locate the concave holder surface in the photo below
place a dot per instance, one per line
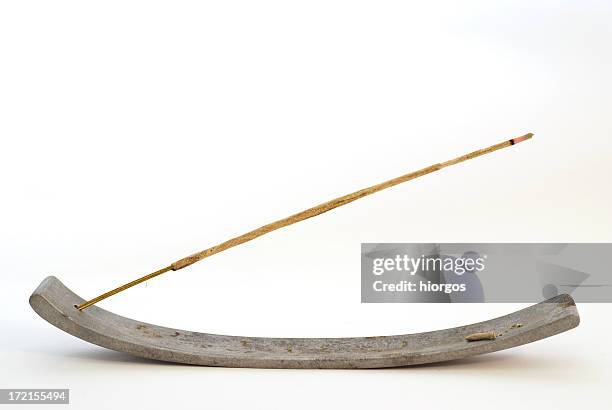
(55, 303)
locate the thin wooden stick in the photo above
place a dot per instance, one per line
(308, 213)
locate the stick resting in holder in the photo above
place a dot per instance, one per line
(55, 303)
(301, 216)
(81, 318)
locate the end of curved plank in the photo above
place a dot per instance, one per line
(55, 303)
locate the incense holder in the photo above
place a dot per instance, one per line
(55, 303)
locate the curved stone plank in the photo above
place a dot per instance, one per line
(55, 303)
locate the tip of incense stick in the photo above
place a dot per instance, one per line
(521, 139)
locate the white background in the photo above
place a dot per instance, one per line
(135, 133)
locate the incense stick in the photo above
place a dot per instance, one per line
(300, 216)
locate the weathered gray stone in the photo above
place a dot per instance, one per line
(55, 303)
